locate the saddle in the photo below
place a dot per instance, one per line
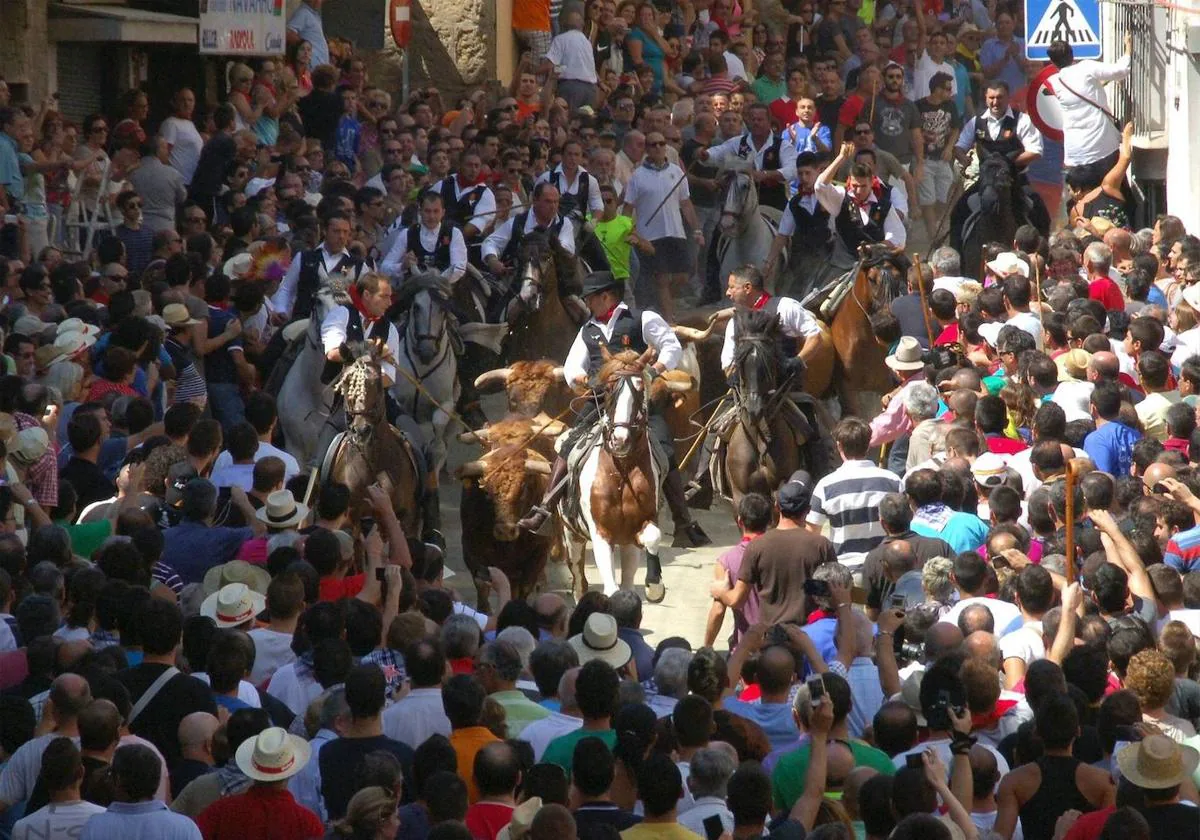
(724, 424)
(415, 459)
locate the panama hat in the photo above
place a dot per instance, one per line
(282, 510)
(74, 344)
(77, 325)
(599, 640)
(46, 355)
(1073, 365)
(1009, 263)
(233, 605)
(910, 695)
(273, 755)
(177, 315)
(908, 355)
(236, 571)
(238, 266)
(1157, 762)
(989, 469)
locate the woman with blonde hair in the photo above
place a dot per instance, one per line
(246, 113)
(371, 815)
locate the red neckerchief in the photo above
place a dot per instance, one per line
(607, 316)
(356, 298)
(987, 720)
(817, 615)
(761, 302)
(458, 180)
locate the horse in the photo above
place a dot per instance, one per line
(747, 229)
(308, 400)
(857, 363)
(540, 323)
(371, 450)
(429, 347)
(992, 212)
(618, 485)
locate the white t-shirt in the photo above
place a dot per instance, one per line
(186, 144)
(986, 822)
(1025, 643)
(55, 821)
(737, 69)
(1030, 323)
(924, 70)
(646, 190)
(571, 54)
(234, 475)
(1003, 613)
(942, 746)
(272, 650)
(291, 466)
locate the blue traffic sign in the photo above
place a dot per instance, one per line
(1075, 21)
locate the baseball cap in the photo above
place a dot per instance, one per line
(796, 493)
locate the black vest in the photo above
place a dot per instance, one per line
(309, 281)
(572, 205)
(812, 229)
(460, 210)
(772, 195)
(439, 257)
(788, 346)
(513, 248)
(853, 231)
(1007, 142)
(626, 335)
(354, 333)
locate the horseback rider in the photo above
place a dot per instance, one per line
(806, 225)
(433, 244)
(579, 197)
(860, 217)
(615, 326)
(503, 245)
(470, 203)
(1000, 130)
(297, 293)
(774, 161)
(345, 332)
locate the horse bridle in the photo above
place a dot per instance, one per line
(441, 340)
(864, 265)
(637, 420)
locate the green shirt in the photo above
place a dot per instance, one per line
(519, 710)
(614, 236)
(768, 91)
(787, 780)
(88, 536)
(561, 750)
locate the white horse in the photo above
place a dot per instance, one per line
(429, 343)
(304, 400)
(747, 228)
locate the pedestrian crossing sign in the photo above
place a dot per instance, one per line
(1075, 21)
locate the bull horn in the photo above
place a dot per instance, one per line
(558, 373)
(692, 334)
(471, 469)
(492, 377)
(721, 315)
(677, 385)
(537, 467)
(480, 436)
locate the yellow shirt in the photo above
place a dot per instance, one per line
(658, 831)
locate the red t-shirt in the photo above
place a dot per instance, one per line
(851, 108)
(335, 589)
(1107, 292)
(783, 112)
(949, 335)
(259, 812)
(485, 819)
(1002, 445)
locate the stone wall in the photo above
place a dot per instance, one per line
(24, 56)
(453, 48)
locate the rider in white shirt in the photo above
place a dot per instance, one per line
(432, 244)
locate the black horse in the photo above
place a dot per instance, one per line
(992, 210)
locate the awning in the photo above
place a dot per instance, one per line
(121, 24)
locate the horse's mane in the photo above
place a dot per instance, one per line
(627, 361)
(430, 281)
(754, 323)
(536, 243)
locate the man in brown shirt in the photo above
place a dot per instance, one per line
(776, 564)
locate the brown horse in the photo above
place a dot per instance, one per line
(858, 367)
(540, 326)
(372, 450)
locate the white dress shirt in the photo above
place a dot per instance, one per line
(787, 222)
(703, 808)
(1088, 134)
(393, 263)
(831, 197)
(497, 240)
(485, 208)
(416, 716)
(572, 56)
(731, 148)
(291, 466)
(735, 66)
(655, 330)
(649, 188)
(568, 187)
(1031, 138)
(305, 786)
(285, 296)
(333, 335)
(794, 321)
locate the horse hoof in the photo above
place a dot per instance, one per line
(655, 592)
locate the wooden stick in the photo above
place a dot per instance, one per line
(702, 433)
(924, 299)
(1070, 481)
(1037, 289)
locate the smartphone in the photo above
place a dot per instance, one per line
(713, 827)
(816, 690)
(914, 761)
(381, 574)
(367, 525)
(896, 601)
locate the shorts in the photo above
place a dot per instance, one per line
(670, 256)
(935, 186)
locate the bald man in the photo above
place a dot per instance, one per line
(1154, 474)
(976, 618)
(195, 743)
(983, 645)
(1103, 367)
(68, 696)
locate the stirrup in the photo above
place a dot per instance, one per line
(537, 522)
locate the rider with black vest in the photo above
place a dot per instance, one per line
(579, 198)
(774, 161)
(1000, 130)
(469, 203)
(503, 245)
(312, 270)
(433, 244)
(799, 333)
(806, 224)
(615, 326)
(859, 216)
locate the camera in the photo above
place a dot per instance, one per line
(939, 715)
(816, 588)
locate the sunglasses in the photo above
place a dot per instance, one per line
(861, 131)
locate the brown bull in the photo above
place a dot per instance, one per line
(497, 488)
(530, 387)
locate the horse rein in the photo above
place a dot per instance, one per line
(637, 421)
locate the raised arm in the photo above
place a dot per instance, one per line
(844, 154)
(1116, 176)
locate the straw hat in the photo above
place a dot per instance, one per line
(282, 510)
(1009, 263)
(233, 605)
(77, 325)
(237, 267)
(31, 445)
(273, 755)
(908, 355)
(522, 819)
(1157, 762)
(236, 571)
(1073, 365)
(599, 640)
(47, 355)
(176, 315)
(74, 344)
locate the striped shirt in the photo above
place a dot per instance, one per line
(848, 500)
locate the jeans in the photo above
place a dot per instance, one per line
(225, 398)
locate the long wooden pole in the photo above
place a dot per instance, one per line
(1070, 481)
(1037, 289)
(924, 299)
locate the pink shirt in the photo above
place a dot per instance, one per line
(894, 421)
(748, 613)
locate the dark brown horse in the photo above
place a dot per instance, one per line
(540, 326)
(372, 450)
